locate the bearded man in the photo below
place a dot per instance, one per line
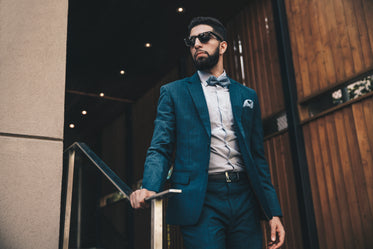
(213, 125)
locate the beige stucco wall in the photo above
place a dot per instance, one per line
(32, 85)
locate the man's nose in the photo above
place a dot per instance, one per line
(197, 43)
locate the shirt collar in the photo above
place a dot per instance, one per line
(203, 76)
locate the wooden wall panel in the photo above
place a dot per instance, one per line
(339, 151)
(332, 41)
(252, 57)
(279, 159)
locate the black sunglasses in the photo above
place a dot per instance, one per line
(203, 38)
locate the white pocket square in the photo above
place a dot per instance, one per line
(248, 103)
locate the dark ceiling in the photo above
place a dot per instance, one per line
(105, 37)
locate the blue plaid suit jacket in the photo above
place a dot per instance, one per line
(182, 126)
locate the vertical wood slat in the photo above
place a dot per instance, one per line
(330, 45)
(347, 171)
(260, 55)
(314, 53)
(273, 60)
(292, 10)
(357, 178)
(325, 57)
(367, 6)
(359, 14)
(345, 64)
(341, 200)
(305, 32)
(362, 188)
(329, 179)
(315, 188)
(249, 59)
(353, 33)
(331, 41)
(340, 163)
(321, 184)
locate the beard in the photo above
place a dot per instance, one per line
(206, 63)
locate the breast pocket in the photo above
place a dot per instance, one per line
(247, 116)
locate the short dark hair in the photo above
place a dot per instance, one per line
(216, 25)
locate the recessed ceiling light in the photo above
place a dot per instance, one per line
(102, 94)
(71, 126)
(148, 45)
(180, 9)
(84, 112)
(122, 72)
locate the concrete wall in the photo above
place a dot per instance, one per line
(32, 85)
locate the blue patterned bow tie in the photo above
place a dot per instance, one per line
(222, 81)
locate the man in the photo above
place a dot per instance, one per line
(213, 124)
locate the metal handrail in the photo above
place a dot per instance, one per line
(156, 200)
(111, 176)
(100, 165)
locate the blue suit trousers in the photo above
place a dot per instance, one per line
(229, 219)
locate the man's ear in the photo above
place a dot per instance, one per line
(223, 47)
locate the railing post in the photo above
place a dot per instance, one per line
(156, 224)
(69, 194)
(156, 200)
(79, 208)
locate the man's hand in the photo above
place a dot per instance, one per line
(137, 198)
(277, 233)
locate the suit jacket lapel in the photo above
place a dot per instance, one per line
(236, 101)
(196, 91)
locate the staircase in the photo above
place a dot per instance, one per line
(84, 223)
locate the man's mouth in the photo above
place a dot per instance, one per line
(198, 53)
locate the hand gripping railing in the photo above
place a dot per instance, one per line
(156, 200)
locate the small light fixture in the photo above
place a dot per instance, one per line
(84, 112)
(180, 9)
(72, 126)
(122, 72)
(102, 94)
(148, 45)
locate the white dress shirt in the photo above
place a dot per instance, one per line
(225, 154)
